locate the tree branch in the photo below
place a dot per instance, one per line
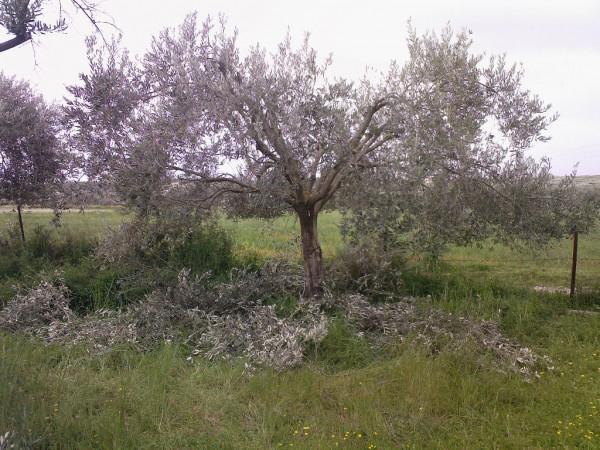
(379, 104)
(14, 42)
(205, 179)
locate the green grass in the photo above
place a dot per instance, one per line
(401, 396)
(92, 221)
(64, 398)
(281, 237)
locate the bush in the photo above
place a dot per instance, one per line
(165, 246)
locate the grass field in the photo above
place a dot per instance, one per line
(348, 394)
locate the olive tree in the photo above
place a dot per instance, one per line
(30, 160)
(278, 127)
(462, 174)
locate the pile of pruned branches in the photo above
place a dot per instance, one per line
(231, 319)
(437, 329)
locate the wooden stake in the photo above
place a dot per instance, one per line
(574, 266)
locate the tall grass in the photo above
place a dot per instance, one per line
(65, 398)
(349, 394)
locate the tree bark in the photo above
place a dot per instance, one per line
(21, 223)
(314, 279)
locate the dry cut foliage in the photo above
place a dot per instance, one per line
(231, 320)
(438, 329)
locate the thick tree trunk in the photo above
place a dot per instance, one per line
(314, 279)
(21, 223)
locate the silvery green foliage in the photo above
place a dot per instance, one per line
(25, 19)
(369, 269)
(107, 118)
(251, 330)
(460, 174)
(293, 131)
(21, 18)
(39, 306)
(437, 329)
(225, 319)
(262, 337)
(31, 160)
(422, 148)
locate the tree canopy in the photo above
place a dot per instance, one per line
(277, 127)
(30, 162)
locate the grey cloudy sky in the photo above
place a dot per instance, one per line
(558, 43)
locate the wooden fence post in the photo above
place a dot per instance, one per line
(574, 266)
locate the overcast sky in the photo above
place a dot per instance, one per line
(558, 43)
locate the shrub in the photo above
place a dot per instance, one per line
(165, 246)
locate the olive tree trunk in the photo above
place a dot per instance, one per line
(314, 278)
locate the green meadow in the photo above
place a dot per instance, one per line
(349, 393)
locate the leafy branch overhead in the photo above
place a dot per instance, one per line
(24, 19)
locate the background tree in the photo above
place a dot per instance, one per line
(24, 19)
(30, 161)
(276, 126)
(462, 175)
